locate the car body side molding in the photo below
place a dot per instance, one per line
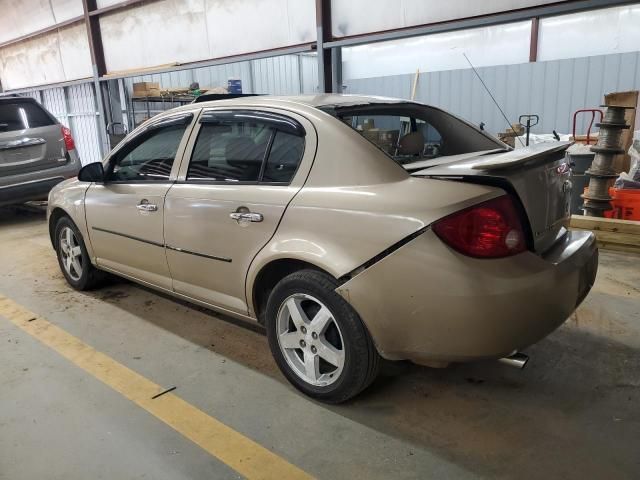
(162, 245)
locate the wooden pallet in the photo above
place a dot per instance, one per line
(612, 234)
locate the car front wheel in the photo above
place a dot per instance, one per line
(318, 339)
(73, 258)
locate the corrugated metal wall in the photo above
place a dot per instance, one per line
(553, 90)
(309, 72)
(75, 107)
(281, 75)
(277, 75)
(84, 124)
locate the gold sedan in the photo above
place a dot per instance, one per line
(352, 228)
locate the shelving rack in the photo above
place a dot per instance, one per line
(153, 105)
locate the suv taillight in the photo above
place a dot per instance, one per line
(67, 138)
(488, 230)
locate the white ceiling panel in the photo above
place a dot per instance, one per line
(51, 58)
(157, 33)
(597, 32)
(21, 17)
(254, 25)
(495, 45)
(107, 3)
(355, 17)
(74, 52)
(66, 9)
(34, 62)
(182, 31)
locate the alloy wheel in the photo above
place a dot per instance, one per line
(71, 253)
(310, 340)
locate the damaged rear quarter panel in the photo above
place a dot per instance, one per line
(425, 302)
(338, 229)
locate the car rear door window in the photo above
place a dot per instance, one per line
(22, 115)
(148, 158)
(246, 146)
(230, 152)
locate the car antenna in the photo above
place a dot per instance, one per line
(492, 97)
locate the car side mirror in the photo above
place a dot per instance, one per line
(94, 172)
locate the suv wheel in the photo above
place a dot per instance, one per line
(73, 258)
(318, 339)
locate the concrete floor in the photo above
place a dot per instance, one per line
(574, 412)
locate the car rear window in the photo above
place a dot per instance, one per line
(22, 116)
(412, 132)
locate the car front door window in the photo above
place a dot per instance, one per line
(148, 158)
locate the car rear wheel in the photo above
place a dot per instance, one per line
(73, 257)
(318, 339)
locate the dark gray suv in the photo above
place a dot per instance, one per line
(36, 151)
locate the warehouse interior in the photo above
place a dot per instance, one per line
(130, 381)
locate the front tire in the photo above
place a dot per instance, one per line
(318, 340)
(73, 258)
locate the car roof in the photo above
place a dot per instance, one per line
(16, 98)
(317, 101)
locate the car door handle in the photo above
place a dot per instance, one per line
(246, 216)
(145, 206)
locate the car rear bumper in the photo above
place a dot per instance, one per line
(36, 185)
(428, 303)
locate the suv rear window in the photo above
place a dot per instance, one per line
(22, 115)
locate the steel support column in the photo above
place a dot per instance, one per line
(323, 25)
(95, 38)
(98, 66)
(336, 67)
(533, 45)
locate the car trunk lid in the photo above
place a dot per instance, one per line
(539, 176)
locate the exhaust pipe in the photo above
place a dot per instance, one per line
(517, 360)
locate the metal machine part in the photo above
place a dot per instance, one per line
(597, 199)
(532, 120)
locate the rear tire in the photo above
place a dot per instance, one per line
(317, 339)
(73, 258)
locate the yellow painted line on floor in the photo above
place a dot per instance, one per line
(242, 454)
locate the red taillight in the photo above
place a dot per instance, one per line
(68, 139)
(488, 230)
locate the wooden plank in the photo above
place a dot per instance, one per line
(605, 224)
(140, 71)
(618, 247)
(415, 84)
(611, 233)
(618, 239)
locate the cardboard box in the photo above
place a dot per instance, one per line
(385, 139)
(146, 89)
